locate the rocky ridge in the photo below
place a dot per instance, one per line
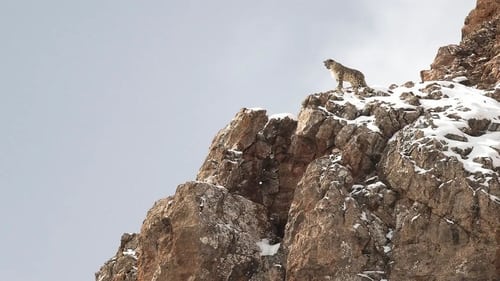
(397, 183)
(476, 60)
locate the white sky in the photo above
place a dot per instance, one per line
(106, 106)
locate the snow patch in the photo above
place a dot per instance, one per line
(387, 249)
(390, 234)
(492, 197)
(415, 217)
(365, 276)
(363, 216)
(460, 79)
(130, 253)
(452, 112)
(235, 152)
(255, 109)
(267, 249)
(283, 116)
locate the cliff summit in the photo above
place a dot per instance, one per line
(387, 183)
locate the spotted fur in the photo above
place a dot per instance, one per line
(342, 73)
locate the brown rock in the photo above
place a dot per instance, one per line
(359, 187)
(410, 98)
(444, 225)
(329, 235)
(123, 266)
(485, 10)
(342, 201)
(205, 233)
(251, 157)
(362, 150)
(476, 60)
(495, 94)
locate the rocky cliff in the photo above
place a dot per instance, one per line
(476, 60)
(397, 183)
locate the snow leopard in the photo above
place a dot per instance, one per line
(342, 73)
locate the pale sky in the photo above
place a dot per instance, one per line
(106, 106)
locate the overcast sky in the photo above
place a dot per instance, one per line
(106, 106)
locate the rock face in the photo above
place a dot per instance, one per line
(485, 11)
(394, 184)
(204, 232)
(123, 266)
(476, 60)
(251, 157)
(421, 206)
(398, 183)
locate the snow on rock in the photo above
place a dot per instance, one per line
(415, 217)
(130, 252)
(283, 116)
(358, 179)
(255, 109)
(466, 121)
(446, 163)
(463, 119)
(418, 142)
(124, 263)
(267, 249)
(338, 184)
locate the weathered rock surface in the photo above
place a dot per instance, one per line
(424, 206)
(330, 234)
(476, 60)
(398, 183)
(447, 220)
(123, 266)
(205, 232)
(485, 11)
(251, 157)
(395, 184)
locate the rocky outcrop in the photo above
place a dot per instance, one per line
(204, 232)
(251, 157)
(398, 183)
(423, 210)
(331, 234)
(123, 266)
(476, 60)
(447, 218)
(485, 11)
